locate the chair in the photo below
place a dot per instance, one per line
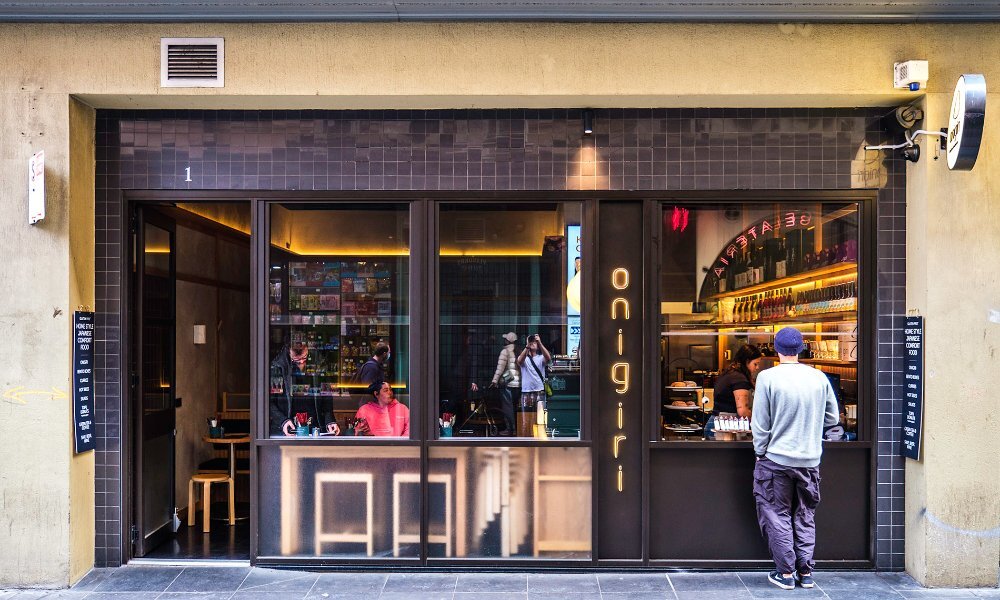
(322, 536)
(414, 538)
(206, 480)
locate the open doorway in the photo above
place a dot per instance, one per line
(190, 365)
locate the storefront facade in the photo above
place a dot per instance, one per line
(658, 196)
(594, 488)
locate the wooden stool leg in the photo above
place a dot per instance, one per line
(232, 502)
(191, 504)
(206, 513)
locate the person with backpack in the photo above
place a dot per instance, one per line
(507, 378)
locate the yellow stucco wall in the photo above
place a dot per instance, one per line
(81, 294)
(46, 523)
(953, 241)
(498, 65)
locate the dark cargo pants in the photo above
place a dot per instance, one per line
(786, 508)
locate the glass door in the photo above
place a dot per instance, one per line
(152, 378)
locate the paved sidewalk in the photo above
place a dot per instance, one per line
(242, 583)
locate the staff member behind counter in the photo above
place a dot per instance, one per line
(732, 387)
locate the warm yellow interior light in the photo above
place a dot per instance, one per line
(364, 386)
(489, 252)
(348, 251)
(376, 252)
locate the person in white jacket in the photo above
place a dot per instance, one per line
(508, 378)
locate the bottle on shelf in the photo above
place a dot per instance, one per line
(741, 270)
(757, 263)
(768, 260)
(781, 260)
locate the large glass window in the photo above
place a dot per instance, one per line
(504, 502)
(350, 501)
(732, 276)
(509, 290)
(338, 281)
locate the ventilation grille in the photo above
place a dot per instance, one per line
(191, 62)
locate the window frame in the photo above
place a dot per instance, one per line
(866, 311)
(588, 341)
(262, 346)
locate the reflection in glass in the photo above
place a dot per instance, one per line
(157, 320)
(156, 250)
(509, 273)
(353, 502)
(510, 502)
(733, 275)
(338, 318)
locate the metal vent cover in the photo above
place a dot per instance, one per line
(470, 229)
(192, 62)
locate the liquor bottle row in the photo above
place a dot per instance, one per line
(767, 260)
(775, 305)
(836, 298)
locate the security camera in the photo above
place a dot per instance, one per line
(907, 116)
(902, 119)
(911, 153)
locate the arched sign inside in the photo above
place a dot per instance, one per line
(771, 227)
(965, 125)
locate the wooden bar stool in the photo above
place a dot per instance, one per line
(206, 480)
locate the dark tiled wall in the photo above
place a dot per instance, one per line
(676, 149)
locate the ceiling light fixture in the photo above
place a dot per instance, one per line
(588, 122)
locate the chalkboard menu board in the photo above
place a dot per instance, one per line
(83, 381)
(913, 397)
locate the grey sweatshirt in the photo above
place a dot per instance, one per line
(791, 406)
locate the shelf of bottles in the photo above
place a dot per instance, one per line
(825, 302)
(770, 285)
(335, 312)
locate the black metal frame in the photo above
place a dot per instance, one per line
(867, 343)
(423, 366)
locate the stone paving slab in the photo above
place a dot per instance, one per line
(250, 583)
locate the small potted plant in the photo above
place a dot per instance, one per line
(302, 423)
(447, 422)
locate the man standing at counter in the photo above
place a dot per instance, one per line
(793, 402)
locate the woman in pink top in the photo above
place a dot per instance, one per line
(383, 415)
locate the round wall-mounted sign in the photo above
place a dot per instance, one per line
(965, 127)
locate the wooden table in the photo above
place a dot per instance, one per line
(230, 439)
